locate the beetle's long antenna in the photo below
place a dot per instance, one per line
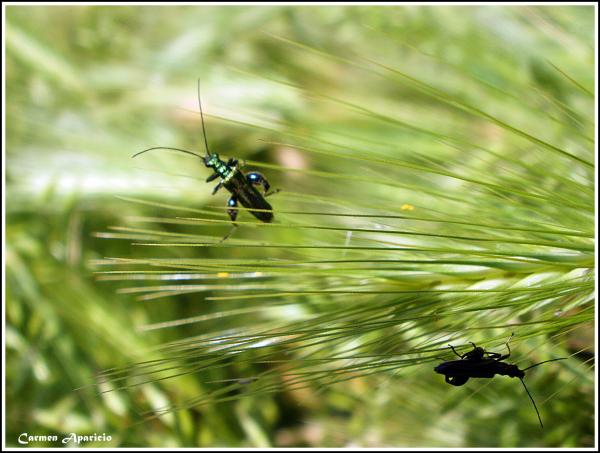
(545, 361)
(184, 150)
(168, 147)
(534, 406)
(202, 119)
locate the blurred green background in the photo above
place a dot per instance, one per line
(470, 127)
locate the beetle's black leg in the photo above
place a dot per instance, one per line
(232, 162)
(217, 187)
(506, 356)
(232, 203)
(454, 350)
(273, 192)
(212, 177)
(229, 234)
(499, 357)
(256, 179)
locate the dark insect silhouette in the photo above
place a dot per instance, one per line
(480, 363)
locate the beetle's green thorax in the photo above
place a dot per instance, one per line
(213, 161)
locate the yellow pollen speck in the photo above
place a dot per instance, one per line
(223, 274)
(407, 207)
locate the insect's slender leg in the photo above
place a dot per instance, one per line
(256, 179)
(229, 234)
(212, 177)
(217, 187)
(232, 162)
(506, 356)
(273, 192)
(454, 350)
(232, 203)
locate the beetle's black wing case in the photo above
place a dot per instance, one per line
(486, 368)
(248, 196)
